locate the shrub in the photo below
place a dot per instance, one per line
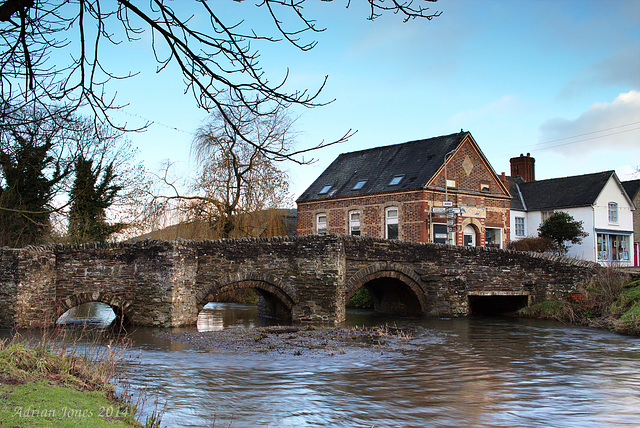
(361, 299)
(537, 244)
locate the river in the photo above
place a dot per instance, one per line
(496, 372)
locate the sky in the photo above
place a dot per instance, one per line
(559, 79)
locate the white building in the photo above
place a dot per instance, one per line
(597, 200)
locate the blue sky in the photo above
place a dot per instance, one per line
(559, 79)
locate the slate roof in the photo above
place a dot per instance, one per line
(575, 191)
(631, 187)
(516, 198)
(417, 161)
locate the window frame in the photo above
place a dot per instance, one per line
(612, 209)
(325, 189)
(355, 225)
(390, 221)
(326, 222)
(396, 180)
(519, 226)
(359, 184)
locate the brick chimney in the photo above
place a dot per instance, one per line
(523, 166)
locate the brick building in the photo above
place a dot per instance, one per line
(398, 192)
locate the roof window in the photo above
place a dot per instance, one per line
(325, 189)
(359, 185)
(396, 180)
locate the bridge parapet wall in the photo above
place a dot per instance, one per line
(307, 272)
(449, 274)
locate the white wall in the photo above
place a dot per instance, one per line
(592, 217)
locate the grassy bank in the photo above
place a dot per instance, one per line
(44, 384)
(609, 300)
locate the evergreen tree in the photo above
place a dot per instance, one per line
(563, 229)
(87, 216)
(25, 190)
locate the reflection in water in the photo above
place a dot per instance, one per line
(93, 314)
(454, 372)
(218, 316)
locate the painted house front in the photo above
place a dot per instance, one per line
(597, 200)
(399, 192)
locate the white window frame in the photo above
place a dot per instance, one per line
(547, 214)
(354, 223)
(388, 221)
(613, 212)
(321, 230)
(519, 226)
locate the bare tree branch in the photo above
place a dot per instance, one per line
(55, 51)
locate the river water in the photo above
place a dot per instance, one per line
(465, 372)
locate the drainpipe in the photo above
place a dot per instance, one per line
(446, 193)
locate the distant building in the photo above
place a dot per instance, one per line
(633, 191)
(598, 200)
(398, 192)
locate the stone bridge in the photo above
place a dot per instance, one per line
(306, 279)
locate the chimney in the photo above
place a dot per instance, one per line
(523, 166)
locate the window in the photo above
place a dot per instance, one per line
(325, 189)
(354, 223)
(396, 180)
(321, 224)
(613, 212)
(493, 237)
(612, 248)
(391, 222)
(359, 185)
(440, 234)
(519, 226)
(484, 187)
(546, 215)
(451, 184)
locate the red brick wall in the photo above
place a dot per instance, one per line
(467, 166)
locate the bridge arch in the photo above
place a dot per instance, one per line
(405, 281)
(277, 298)
(122, 308)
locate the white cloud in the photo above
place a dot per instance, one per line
(612, 126)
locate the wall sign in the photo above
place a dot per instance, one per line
(475, 212)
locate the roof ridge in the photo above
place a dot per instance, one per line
(608, 172)
(371, 149)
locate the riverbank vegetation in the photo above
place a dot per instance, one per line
(609, 300)
(49, 382)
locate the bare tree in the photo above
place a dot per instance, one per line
(54, 50)
(238, 188)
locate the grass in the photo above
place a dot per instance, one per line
(608, 300)
(56, 382)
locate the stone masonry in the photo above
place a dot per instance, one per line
(306, 279)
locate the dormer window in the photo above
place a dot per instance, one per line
(325, 189)
(396, 180)
(359, 185)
